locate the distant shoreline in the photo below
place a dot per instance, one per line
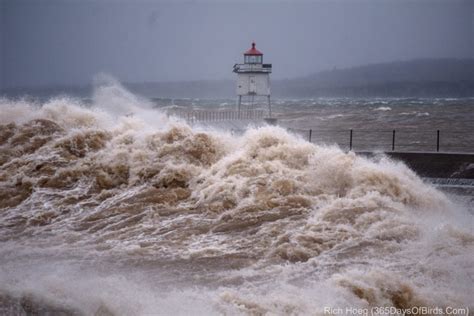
(444, 78)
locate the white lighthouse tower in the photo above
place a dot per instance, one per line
(253, 77)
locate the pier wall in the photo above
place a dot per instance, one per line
(434, 165)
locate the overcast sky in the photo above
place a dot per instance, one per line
(47, 42)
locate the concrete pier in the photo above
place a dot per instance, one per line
(434, 165)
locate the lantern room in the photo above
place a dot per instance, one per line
(253, 63)
(253, 56)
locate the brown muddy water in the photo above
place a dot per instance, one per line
(104, 213)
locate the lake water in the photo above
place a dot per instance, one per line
(107, 213)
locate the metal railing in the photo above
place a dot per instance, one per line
(413, 140)
(215, 116)
(401, 140)
(261, 68)
(392, 140)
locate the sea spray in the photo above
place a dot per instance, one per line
(259, 223)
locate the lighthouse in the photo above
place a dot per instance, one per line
(253, 77)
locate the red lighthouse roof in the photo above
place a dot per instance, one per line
(253, 51)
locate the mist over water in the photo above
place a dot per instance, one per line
(114, 208)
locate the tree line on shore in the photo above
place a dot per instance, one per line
(415, 78)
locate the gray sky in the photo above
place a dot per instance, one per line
(67, 42)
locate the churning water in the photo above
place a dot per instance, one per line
(105, 213)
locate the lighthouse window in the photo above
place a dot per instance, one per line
(252, 59)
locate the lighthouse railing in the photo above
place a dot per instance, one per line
(260, 68)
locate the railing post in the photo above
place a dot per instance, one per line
(393, 140)
(310, 132)
(437, 141)
(350, 140)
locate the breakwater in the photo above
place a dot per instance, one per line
(435, 165)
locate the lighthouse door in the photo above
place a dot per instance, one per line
(252, 85)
